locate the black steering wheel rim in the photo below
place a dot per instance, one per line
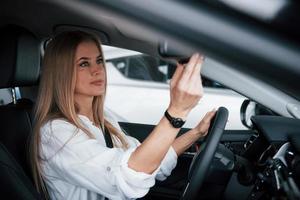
(202, 160)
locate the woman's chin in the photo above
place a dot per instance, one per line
(98, 93)
(91, 93)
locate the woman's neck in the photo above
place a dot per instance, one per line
(85, 106)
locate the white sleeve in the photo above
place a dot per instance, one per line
(85, 162)
(168, 163)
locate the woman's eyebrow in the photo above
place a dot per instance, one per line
(83, 58)
(88, 58)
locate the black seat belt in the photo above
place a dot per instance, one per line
(108, 142)
(107, 138)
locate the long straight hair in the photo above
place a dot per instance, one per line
(56, 96)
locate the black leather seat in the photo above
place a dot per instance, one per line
(19, 66)
(14, 182)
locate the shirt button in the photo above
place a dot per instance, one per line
(108, 169)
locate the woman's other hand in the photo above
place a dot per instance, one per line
(202, 128)
(185, 141)
(186, 87)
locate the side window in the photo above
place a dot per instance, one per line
(145, 99)
(142, 67)
(121, 64)
(147, 68)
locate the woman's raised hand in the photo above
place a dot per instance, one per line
(186, 87)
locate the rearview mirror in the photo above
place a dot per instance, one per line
(171, 70)
(168, 50)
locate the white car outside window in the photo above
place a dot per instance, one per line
(138, 91)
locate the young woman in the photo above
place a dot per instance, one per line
(69, 153)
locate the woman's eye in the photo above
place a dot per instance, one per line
(84, 64)
(100, 61)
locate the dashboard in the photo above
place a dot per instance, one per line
(274, 154)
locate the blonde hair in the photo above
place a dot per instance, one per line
(56, 96)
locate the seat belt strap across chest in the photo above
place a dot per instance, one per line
(108, 139)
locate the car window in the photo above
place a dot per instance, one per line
(138, 90)
(147, 68)
(142, 67)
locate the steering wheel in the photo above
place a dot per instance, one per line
(202, 160)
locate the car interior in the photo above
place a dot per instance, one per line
(255, 55)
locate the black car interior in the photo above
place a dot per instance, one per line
(260, 163)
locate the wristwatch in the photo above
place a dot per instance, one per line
(175, 122)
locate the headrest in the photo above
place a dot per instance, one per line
(19, 57)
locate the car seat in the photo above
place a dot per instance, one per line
(19, 66)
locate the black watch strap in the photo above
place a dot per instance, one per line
(175, 121)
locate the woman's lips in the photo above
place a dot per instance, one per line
(98, 83)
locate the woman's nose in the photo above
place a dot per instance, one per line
(97, 69)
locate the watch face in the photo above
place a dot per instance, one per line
(177, 122)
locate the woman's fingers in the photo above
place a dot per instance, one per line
(190, 71)
(208, 117)
(189, 68)
(186, 86)
(177, 74)
(195, 82)
(197, 68)
(205, 122)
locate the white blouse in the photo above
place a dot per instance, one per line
(78, 167)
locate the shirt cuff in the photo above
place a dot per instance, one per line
(167, 165)
(136, 184)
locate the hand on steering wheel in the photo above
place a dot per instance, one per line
(204, 156)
